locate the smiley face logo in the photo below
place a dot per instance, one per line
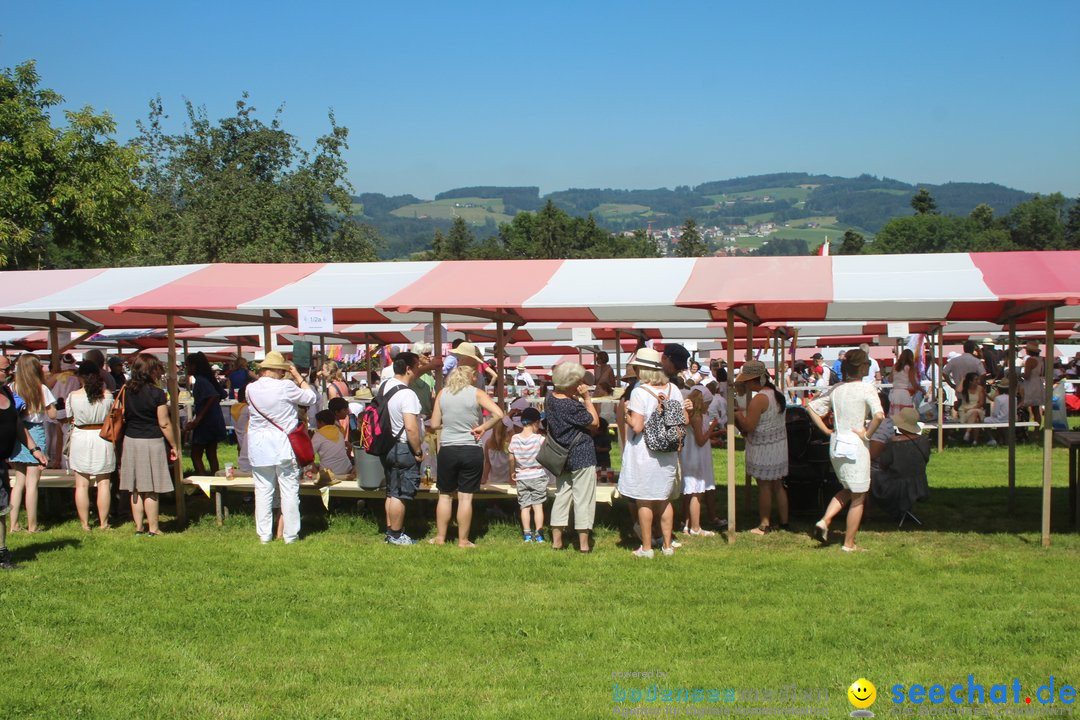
(862, 695)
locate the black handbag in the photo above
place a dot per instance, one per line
(552, 456)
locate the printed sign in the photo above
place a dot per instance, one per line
(315, 320)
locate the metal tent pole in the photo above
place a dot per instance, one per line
(174, 417)
(730, 350)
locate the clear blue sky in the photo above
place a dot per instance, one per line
(599, 94)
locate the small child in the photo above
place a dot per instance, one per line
(602, 444)
(331, 448)
(528, 475)
(496, 455)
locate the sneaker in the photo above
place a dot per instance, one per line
(6, 563)
(668, 551)
(686, 530)
(401, 539)
(539, 537)
(991, 443)
(528, 537)
(643, 553)
(675, 543)
(821, 532)
(702, 533)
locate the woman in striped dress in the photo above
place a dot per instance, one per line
(763, 424)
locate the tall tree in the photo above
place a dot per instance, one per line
(923, 203)
(241, 190)
(458, 241)
(852, 244)
(67, 194)
(1072, 226)
(1039, 223)
(690, 243)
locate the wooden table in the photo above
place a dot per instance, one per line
(1071, 441)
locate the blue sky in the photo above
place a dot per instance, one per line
(598, 94)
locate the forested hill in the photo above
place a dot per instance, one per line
(866, 203)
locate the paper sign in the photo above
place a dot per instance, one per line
(581, 336)
(898, 330)
(316, 320)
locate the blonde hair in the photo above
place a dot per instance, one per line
(332, 371)
(649, 376)
(698, 400)
(567, 375)
(28, 382)
(461, 377)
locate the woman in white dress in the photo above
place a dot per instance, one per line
(764, 425)
(850, 402)
(648, 477)
(1032, 389)
(904, 384)
(91, 457)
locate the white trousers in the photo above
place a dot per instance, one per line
(274, 485)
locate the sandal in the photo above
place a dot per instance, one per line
(761, 530)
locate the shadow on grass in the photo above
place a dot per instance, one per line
(28, 553)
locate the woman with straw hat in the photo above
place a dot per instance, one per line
(273, 401)
(850, 402)
(764, 427)
(648, 477)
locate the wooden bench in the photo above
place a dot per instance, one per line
(215, 486)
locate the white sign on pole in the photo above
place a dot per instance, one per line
(315, 320)
(898, 330)
(581, 336)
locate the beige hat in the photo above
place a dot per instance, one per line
(274, 361)
(647, 358)
(1032, 346)
(908, 421)
(752, 369)
(467, 350)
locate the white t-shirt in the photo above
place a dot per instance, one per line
(871, 374)
(277, 400)
(646, 475)
(958, 368)
(333, 455)
(404, 402)
(48, 399)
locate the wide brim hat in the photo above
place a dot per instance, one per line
(857, 358)
(1032, 345)
(468, 350)
(908, 421)
(752, 369)
(647, 358)
(274, 361)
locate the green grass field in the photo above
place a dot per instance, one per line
(482, 210)
(207, 623)
(608, 211)
(797, 194)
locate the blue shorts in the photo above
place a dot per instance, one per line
(402, 472)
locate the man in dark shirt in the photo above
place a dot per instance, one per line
(116, 370)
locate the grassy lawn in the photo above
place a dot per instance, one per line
(613, 210)
(207, 623)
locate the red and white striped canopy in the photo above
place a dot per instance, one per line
(958, 287)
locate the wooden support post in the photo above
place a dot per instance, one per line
(777, 354)
(54, 345)
(748, 482)
(268, 340)
(322, 361)
(618, 357)
(1048, 425)
(174, 418)
(1011, 437)
(437, 342)
(940, 361)
(500, 365)
(730, 350)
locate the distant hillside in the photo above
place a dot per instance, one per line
(801, 205)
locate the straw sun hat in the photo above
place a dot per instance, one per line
(274, 361)
(467, 350)
(647, 358)
(908, 421)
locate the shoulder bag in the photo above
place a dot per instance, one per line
(113, 427)
(298, 438)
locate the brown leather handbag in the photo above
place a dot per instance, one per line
(113, 427)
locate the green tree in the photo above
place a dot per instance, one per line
(690, 243)
(923, 203)
(240, 190)
(67, 194)
(852, 243)
(983, 216)
(1072, 226)
(458, 241)
(1038, 224)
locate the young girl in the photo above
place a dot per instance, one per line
(496, 459)
(697, 465)
(29, 461)
(971, 404)
(528, 475)
(763, 426)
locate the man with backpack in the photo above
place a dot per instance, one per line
(400, 448)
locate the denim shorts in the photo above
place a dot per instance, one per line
(402, 472)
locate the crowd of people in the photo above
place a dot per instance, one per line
(669, 416)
